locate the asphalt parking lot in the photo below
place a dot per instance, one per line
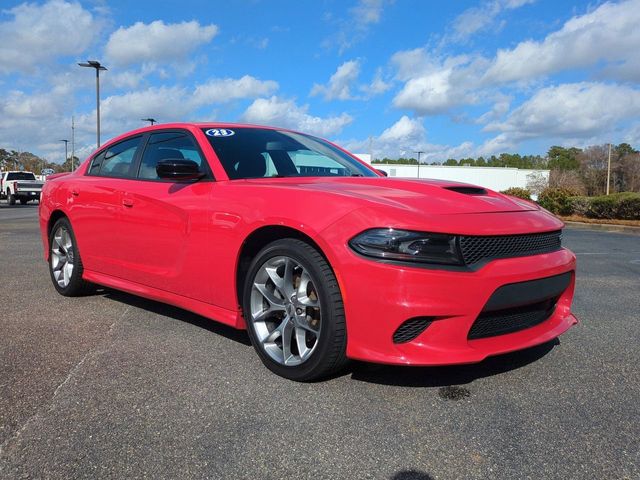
(113, 386)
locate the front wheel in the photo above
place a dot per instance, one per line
(294, 312)
(65, 264)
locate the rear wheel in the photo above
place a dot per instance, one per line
(23, 201)
(65, 264)
(11, 199)
(294, 312)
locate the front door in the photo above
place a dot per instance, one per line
(164, 226)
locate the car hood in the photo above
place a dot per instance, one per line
(436, 197)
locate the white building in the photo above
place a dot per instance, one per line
(493, 178)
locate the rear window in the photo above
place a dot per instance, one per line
(20, 176)
(259, 153)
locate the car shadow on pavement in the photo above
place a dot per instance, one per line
(176, 313)
(392, 375)
(445, 376)
(411, 475)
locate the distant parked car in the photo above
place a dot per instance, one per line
(21, 186)
(316, 254)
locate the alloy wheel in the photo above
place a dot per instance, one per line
(62, 260)
(285, 310)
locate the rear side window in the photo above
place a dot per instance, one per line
(167, 146)
(117, 160)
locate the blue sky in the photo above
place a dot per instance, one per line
(452, 79)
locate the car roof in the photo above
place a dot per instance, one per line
(164, 126)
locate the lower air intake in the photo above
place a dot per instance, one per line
(510, 320)
(411, 328)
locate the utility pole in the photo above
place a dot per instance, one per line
(609, 169)
(95, 64)
(73, 141)
(150, 120)
(419, 153)
(66, 151)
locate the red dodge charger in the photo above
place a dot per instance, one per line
(320, 257)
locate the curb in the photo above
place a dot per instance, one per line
(609, 227)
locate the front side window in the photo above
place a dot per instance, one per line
(167, 146)
(259, 153)
(117, 160)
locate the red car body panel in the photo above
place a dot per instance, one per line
(180, 243)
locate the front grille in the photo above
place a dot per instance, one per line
(481, 248)
(501, 322)
(411, 328)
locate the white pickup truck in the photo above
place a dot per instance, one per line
(22, 186)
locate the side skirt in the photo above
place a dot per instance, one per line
(232, 318)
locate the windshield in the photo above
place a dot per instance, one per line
(259, 153)
(20, 176)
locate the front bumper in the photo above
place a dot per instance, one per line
(379, 297)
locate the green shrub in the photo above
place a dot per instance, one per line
(523, 193)
(580, 205)
(623, 206)
(557, 200)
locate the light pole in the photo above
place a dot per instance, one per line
(419, 153)
(95, 64)
(609, 169)
(150, 120)
(66, 152)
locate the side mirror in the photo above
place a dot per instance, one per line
(178, 169)
(382, 172)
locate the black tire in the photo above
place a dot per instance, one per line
(76, 286)
(23, 201)
(11, 198)
(329, 354)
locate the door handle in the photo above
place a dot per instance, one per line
(127, 202)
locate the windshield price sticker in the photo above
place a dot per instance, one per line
(220, 132)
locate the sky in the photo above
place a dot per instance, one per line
(451, 79)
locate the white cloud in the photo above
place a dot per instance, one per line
(227, 89)
(40, 33)
(501, 106)
(605, 39)
(157, 42)
(481, 18)
(405, 131)
(609, 33)
(377, 86)
(285, 113)
(571, 110)
(367, 12)
(34, 122)
(340, 83)
(17, 104)
(405, 138)
(353, 29)
(432, 87)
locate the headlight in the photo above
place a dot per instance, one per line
(408, 246)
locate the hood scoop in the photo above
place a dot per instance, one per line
(466, 190)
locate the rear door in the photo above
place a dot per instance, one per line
(164, 227)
